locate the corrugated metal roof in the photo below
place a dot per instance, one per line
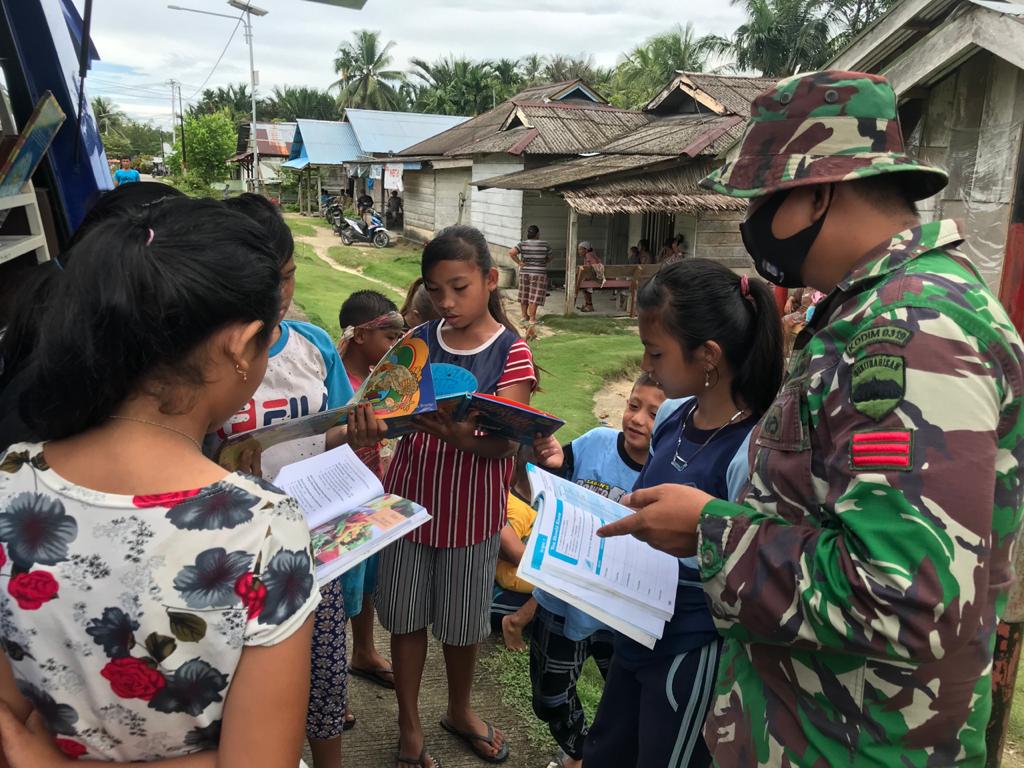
(558, 129)
(570, 171)
(723, 94)
(486, 125)
(273, 139)
(385, 133)
(325, 142)
(685, 134)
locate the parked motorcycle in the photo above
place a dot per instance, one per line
(354, 231)
(332, 209)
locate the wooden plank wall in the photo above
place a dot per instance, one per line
(498, 213)
(418, 202)
(449, 184)
(717, 236)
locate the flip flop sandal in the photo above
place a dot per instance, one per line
(375, 676)
(421, 761)
(471, 738)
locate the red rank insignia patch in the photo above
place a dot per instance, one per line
(889, 449)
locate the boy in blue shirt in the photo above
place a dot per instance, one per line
(126, 174)
(606, 461)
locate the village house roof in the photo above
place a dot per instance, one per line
(700, 91)
(323, 142)
(272, 140)
(555, 118)
(674, 190)
(386, 133)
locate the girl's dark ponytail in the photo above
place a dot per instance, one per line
(758, 376)
(698, 300)
(140, 296)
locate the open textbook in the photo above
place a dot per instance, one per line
(621, 581)
(350, 516)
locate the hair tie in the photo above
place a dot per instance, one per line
(745, 290)
(150, 238)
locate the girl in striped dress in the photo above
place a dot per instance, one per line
(441, 575)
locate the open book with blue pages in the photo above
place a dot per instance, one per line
(622, 582)
(350, 517)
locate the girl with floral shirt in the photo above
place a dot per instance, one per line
(153, 607)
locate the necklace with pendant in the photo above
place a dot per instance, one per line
(678, 462)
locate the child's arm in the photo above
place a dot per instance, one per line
(511, 547)
(548, 452)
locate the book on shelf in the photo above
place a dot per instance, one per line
(350, 516)
(21, 157)
(621, 581)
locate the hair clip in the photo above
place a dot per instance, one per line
(150, 238)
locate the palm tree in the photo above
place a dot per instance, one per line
(451, 86)
(291, 102)
(508, 77)
(652, 65)
(107, 114)
(235, 99)
(531, 69)
(781, 37)
(364, 78)
(850, 17)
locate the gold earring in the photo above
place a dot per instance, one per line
(244, 374)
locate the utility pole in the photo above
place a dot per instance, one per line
(257, 176)
(181, 117)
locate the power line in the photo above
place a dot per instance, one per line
(219, 58)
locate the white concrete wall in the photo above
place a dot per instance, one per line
(498, 213)
(551, 214)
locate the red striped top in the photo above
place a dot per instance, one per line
(466, 494)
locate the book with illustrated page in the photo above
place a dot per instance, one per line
(509, 418)
(399, 388)
(350, 516)
(22, 156)
(620, 581)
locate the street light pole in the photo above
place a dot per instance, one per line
(248, 10)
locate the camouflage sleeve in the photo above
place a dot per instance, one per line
(891, 555)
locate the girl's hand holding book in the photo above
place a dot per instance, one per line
(548, 452)
(364, 428)
(440, 424)
(666, 518)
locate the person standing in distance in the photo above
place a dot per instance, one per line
(126, 174)
(859, 582)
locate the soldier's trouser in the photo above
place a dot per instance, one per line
(555, 666)
(653, 716)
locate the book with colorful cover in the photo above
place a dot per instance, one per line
(350, 517)
(509, 418)
(399, 388)
(25, 154)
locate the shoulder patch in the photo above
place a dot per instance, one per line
(882, 449)
(881, 334)
(878, 385)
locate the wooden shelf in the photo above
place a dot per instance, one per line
(17, 201)
(13, 246)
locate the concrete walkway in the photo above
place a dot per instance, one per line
(374, 740)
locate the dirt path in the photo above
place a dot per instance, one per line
(610, 400)
(372, 743)
(323, 241)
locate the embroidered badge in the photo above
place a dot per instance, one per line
(888, 449)
(882, 334)
(878, 385)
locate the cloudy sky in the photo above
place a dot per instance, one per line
(143, 44)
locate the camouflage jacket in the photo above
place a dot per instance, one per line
(859, 582)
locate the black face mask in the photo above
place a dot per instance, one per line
(779, 261)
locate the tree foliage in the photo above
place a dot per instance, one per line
(651, 65)
(365, 78)
(209, 141)
(235, 99)
(291, 102)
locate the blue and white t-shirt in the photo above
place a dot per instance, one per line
(304, 375)
(598, 461)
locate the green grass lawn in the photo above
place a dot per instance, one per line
(300, 227)
(320, 290)
(397, 265)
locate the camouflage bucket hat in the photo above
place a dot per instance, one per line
(819, 128)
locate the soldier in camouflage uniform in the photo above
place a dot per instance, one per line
(859, 583)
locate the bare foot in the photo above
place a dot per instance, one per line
(413, 753)
(512, 634)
